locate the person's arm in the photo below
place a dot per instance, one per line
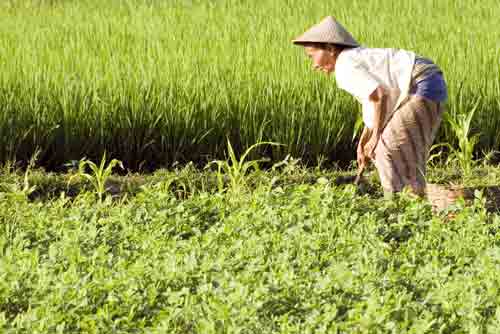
(379, 98)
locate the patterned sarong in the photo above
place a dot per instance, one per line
(403, 149)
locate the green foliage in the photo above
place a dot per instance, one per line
(298, 257)
(235, 170)
(462, 126)
(358, 127)
(158, 89)
(21, 188)
(99, 174)
(463, 155)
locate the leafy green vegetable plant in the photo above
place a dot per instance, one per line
(310, 258)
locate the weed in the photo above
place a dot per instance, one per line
(234, 170)
(99, 173)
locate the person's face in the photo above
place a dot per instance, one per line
(322, 60)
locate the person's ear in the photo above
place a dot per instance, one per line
(332, 50)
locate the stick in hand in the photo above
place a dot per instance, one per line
(361, 169)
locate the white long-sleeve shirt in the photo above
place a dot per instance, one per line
(360, 71)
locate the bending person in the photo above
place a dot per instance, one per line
(401, 95)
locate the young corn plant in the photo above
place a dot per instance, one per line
(461, 126)
(463, 156)
(234, 170)
(99, 174)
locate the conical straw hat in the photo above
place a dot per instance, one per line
(327, 31)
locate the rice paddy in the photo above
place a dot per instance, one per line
(153, 82)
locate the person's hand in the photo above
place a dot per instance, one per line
(370, 147)
(362, 158)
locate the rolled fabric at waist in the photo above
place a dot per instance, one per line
(428, 80)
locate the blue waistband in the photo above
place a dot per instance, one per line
(433, 86)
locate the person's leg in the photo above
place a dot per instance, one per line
(394, 155)
(428, 120)
(401, 154)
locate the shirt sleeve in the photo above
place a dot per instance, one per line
(368, 111)
(355, 78)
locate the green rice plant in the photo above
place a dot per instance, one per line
(99, 174)
(358, 127)
(145, 82)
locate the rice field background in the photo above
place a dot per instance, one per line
(157, 82)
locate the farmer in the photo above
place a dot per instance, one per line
(401, 95)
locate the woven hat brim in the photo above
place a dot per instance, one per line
(306, 41)
(328, 31)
